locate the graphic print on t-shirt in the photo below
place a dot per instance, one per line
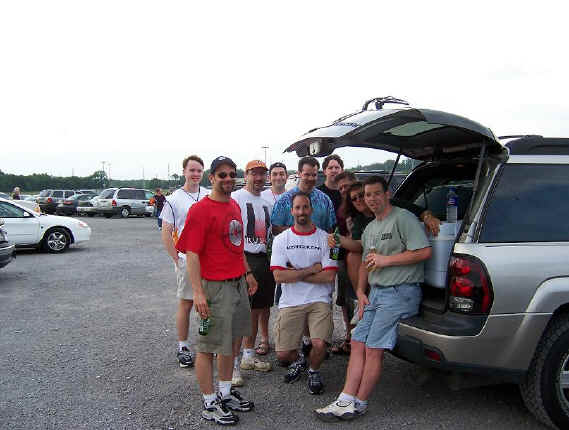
(235, 232)
(256, 216)
(256, 227)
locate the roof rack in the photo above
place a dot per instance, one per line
(537, 145)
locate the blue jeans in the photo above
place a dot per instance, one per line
(158, 217)
(378, 327)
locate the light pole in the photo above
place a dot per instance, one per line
(103, 176)
(265, 148)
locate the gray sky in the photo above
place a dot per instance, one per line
(142, 84)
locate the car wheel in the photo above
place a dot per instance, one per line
(56, 241)
(125, 212)
(546, 388)
(108, 215)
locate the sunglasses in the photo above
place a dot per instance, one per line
(359, 196)
(224, 175)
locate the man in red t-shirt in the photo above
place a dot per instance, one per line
(221, 280)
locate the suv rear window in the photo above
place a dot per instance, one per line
(528, 205)
(107, 194)
(57, 194)
(139, 194)
(45, 193)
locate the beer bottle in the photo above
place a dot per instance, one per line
(204, 324)
(335, 252)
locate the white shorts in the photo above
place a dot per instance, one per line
(184, 290)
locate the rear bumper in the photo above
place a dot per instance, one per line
(504, 346)
(7, 253)
(67, 210)
(48, 207)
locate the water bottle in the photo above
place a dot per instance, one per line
(335, 252)
(452, 206)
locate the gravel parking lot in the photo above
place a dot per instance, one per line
(87, 340)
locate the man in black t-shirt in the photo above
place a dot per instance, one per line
(332, 167)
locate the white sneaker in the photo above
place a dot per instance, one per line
(337, 410)
(219, 413)
(253, 363)
(237, 379)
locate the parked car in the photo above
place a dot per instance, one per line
(93, 193)
(7, 247)
(121, 201)
(5, 196)
(502, 306)
(87, 207)
(29, 229)
(49, 199)
(69, 205)
(150, 206)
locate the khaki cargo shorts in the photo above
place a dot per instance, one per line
(230, 315)
(184, 290)
(291, 320)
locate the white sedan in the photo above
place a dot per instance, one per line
(30, 229)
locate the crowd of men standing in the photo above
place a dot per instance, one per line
(236, 253)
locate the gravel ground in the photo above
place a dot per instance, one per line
(87, 340)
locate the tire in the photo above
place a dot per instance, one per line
(56, 241)
(543, 391)
(125, 212)
(108, 215)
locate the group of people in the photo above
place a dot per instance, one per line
(236, 253)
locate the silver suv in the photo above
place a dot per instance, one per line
(49, 199)
(121, 201)
(502, 307)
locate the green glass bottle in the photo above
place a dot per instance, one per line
(205, 324)
(335, 252)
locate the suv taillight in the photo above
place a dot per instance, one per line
(470, 290)
(114, 203)
(49, 200)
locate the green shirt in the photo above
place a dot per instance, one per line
(397, 233)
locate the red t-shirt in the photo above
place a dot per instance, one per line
(214, 231)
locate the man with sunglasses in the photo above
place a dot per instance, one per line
(222, 281)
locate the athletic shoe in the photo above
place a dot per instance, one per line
(219, 413)
(251, 363)
(295, 370)
(185, 357)
(315, 385)
(237, 379)
(236, 402)
(337, 410)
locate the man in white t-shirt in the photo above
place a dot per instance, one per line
(277, 177)
(256, 216)
(301, 262)
(173, 218)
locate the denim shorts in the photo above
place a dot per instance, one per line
(378, 327)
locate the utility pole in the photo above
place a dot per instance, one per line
(103, 176)
(109, 174)
(265, 148)
(143, 185)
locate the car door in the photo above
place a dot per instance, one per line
(22, 227)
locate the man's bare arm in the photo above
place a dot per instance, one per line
(195, 276)
(295, 275)
(402, 259)
(322, 277)
(168, 240)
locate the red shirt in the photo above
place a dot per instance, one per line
(214, 231)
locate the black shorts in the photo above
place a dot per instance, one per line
(265, 295)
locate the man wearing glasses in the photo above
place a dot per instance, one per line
(222, 281)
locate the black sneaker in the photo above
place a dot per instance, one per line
(236, 402)
(295, 370)
(185, 357)
(219, 413)
(315, 385)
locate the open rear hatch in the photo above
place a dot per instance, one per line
(421, 134)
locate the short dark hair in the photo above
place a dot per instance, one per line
(193, 158)
(311, 161)
(277, 164)
(330, 158)
(346, 175)
(376, 180)
(300, 194)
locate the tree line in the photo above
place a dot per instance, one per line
(99, 179)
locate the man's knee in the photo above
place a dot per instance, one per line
(318, 345)
(374, 354)
(286, 355)
(186, 305)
